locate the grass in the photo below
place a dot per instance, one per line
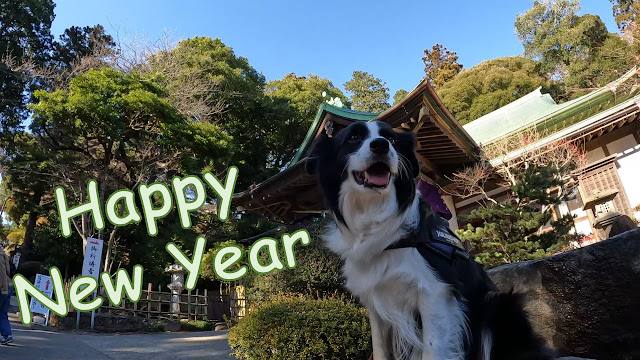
(198, 325)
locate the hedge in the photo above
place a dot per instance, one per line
(299, 327)
(316, 275)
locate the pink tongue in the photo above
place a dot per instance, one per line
(379, 180)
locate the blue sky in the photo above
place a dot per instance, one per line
(329, 38)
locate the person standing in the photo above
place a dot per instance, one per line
(6, 289)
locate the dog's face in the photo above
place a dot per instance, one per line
(367, 159)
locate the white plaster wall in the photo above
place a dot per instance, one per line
(583, 227)
(628, 153)
(453, 222)
(564, 208)
(578, 213)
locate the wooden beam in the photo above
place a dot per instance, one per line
(448, 130)
(444, 143)
(453, 160)
(427, 137)
(424, 113)
(444, 151)
(428, 164)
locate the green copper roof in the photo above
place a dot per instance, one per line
(326, 108)
(590, 122)
(540, 110)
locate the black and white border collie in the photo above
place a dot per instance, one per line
(428, 303)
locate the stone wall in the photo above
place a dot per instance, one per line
(585, 302)
(103, 322)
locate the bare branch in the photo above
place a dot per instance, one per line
(563, 155)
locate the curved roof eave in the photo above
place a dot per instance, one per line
(319, 119)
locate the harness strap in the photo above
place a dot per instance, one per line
(440, 247)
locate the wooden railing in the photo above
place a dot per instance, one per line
(157, 304)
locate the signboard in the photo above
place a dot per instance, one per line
(92, 258)
(16, 260)
(91, 267)
(44, 284)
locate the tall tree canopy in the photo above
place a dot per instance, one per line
(440, 65)
(577, 50)
(625, 12)
(31, 59)
(368, 93)
(77, 44)
(543, 29)
(119, 130)
(490, 85)
(304, 93)
(230, 94)
(24, 33)
(297, 99)
(399, 95)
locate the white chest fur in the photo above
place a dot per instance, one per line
(397, 286)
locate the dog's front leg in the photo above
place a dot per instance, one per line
(379, 338)
(427, 342)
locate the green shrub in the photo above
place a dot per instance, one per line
(317, 273)
(197, 325)
(299, 327)
(155, 326)
(206, 267)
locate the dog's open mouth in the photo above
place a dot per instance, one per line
(377, 176)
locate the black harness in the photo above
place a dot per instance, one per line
(441, 248)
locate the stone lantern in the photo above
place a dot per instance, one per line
(176, 286)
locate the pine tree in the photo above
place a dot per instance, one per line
(440, 65)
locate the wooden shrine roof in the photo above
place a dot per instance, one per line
(443, 146)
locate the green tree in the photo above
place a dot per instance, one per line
(609, 61)
(26, 180)
(25, 32)
(440, 65)
(522, 223)
(78, 44)
(489, 86)
(399, 95)
(296, 100)
(368, 93)
(303, 93)
(26, 164)
(120, 130)
(510, 230)
(209, 84)
(205, 75)
(574, 49)
(625, 12)
(544, 32)
(320, 276)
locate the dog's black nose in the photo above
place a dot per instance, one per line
(379, 146)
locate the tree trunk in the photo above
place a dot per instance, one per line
(27, 243)
(110, 244)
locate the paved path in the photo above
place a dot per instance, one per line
(40, 343)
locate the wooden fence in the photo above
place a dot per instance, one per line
(157, 304)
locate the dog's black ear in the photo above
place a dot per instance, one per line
(320, 149)
(407, 147)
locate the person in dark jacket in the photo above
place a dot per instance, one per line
(6, 289)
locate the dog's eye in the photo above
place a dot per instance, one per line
(391, 139)
(355, 138)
